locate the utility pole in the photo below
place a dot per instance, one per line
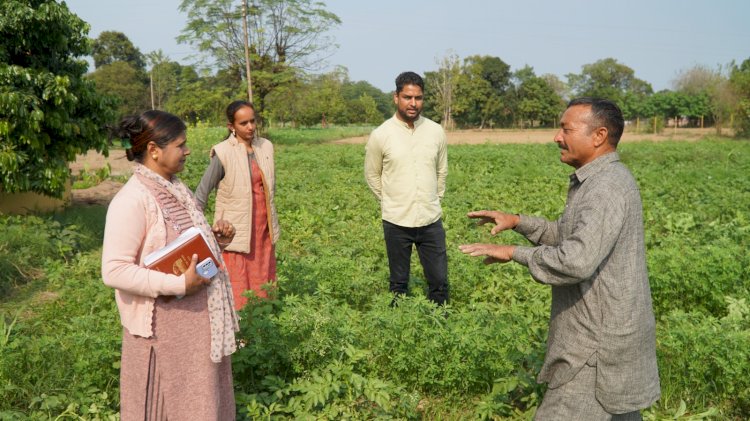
(247, 52)
(151, 81)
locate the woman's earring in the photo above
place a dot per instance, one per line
(155, 157)
(234, 133)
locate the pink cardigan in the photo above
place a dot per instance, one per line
(135, 227)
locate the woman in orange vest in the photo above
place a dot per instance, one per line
(242, 172)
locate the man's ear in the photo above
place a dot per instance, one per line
(601, 136)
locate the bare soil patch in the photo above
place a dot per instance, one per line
(102, 193)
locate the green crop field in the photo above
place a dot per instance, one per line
(328, 346)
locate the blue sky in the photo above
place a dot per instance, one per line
(380, 38)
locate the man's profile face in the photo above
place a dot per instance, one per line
(409, 103)
(575, 138)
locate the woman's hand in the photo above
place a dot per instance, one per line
(224, 232)
(193, 281)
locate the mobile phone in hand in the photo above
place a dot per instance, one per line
(207, 268)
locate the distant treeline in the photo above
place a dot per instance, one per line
(51, 108)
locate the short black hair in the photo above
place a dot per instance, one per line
(408, 78)
(604, 113)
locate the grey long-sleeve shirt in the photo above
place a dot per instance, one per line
(594, 258)
(211, 178)
(214, 173)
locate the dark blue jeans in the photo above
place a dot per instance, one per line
(430, 242)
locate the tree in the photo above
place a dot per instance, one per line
(714, 84)
(561, 88)
(367, 110)
(441, 87)
(481, 91)
(322, 100)
(49, 112)
(125, 83)
(167, 78)
(615, 81)
(537, 102)
(740, 83)
(285, 36)
(112, 46)
(204, 99)
(354, 91)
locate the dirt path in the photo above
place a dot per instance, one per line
(102, 193)
(120, 166)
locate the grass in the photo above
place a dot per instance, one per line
(315, 135)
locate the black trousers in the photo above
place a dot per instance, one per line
(430, 242)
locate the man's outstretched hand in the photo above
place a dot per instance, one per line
(494, 253)
(503, 221)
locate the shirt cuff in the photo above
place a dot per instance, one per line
(523, 255)
(525, 225)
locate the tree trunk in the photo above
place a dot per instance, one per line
(247, 52)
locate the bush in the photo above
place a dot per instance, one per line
(703, 359)
(27, 243)
(71, 365)
(328, 345)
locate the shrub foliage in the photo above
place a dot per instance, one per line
(327, 344)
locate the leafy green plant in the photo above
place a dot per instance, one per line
(703, 359)
(89, 178)
(27, 242)
(326, 344)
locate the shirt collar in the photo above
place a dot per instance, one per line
(595, 166)
(418, 122)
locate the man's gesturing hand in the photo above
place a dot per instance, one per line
(495, 253)
(502, 221)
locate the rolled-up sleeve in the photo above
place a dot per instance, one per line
(596, 226)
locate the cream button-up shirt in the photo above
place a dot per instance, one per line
(406, 169)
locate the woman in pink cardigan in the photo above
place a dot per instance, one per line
(178, 331)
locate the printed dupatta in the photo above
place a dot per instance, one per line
(222, 317)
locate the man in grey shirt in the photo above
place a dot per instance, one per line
(601, 348)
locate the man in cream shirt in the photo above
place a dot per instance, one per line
(406, 164)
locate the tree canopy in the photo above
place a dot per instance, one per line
(112, 46)
(285, 36)
(537, 102)
(712, 84)
(607, 78)
(739, 80)
(125, 83)
(48, 111)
